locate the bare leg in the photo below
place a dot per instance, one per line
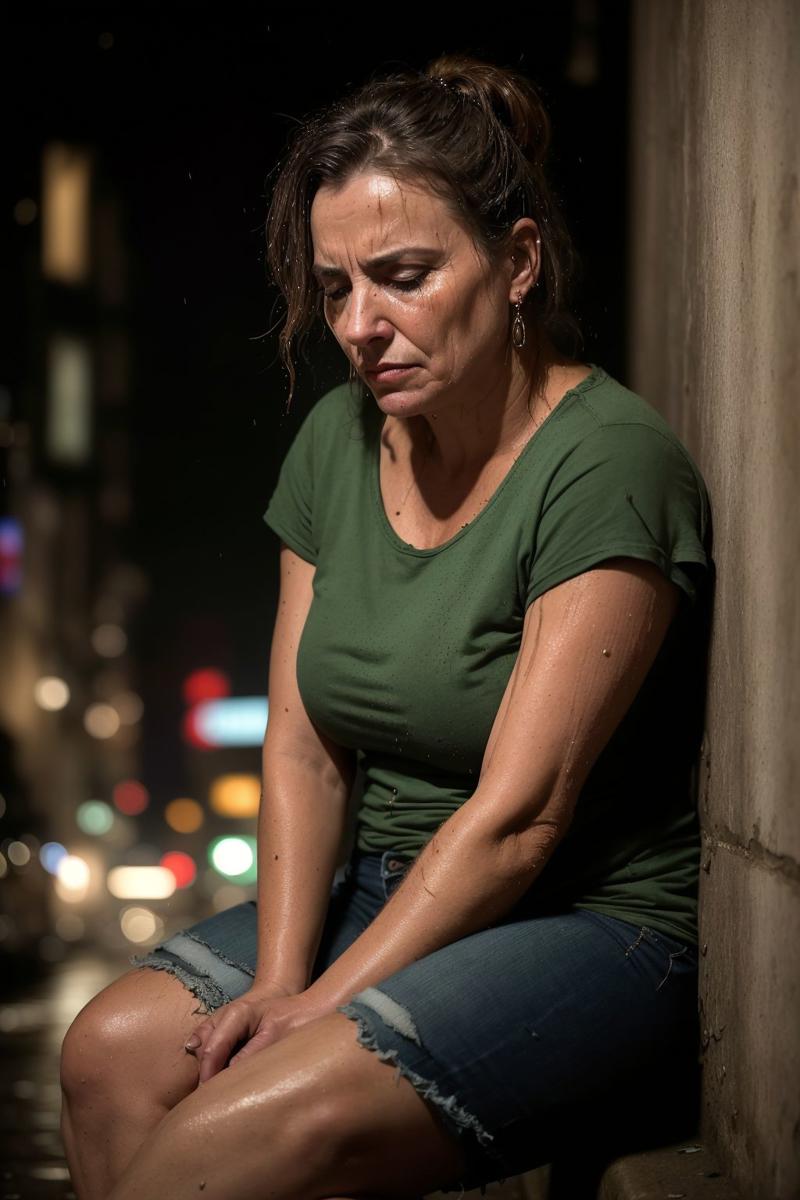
(314, 1116)
(123, 1067)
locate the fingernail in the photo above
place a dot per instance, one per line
(192, 1043)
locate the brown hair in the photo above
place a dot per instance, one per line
(476, 133)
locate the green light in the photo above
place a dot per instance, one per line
(234, 858)
(94, 817)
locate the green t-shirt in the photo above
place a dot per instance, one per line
(406, 653)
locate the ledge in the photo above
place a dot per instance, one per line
(682, 1170)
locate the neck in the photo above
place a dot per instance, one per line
(497, 420)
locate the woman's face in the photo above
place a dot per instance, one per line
(404, 284)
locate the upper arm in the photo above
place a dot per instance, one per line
(587, 645)
(290, 730)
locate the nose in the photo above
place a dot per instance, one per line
(364, 316)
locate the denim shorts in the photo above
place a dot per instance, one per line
(532, 1039)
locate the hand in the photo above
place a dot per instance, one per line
(259, 1018)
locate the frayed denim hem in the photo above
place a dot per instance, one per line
(458, 1119)
(427, 1089)
(201, 986)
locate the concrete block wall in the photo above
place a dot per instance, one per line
(715, 344)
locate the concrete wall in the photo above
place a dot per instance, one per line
(715, 344)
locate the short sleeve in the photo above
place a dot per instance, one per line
(625, 489)
(290, 510)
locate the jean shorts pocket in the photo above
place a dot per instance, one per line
(668, 956)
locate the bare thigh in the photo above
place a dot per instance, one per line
(316, 1113)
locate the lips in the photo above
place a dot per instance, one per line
(389, 369)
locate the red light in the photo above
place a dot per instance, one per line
(130, 797)
(191, 733)
(182, 867)
(206, 684)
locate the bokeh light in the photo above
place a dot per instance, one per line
(51, 855)
(94, 817)
(205, 684)
(101, 720)
(234, 722)
(73, 878)
(140, 925)
(130, 797)
(51, 693)
(140, 883)
(18, 854)
(182, 866)
(184, 815)
(234, 857)
(236, 795)
(109, 641)
(129, 706)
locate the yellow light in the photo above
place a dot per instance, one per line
(72, 878)
(66, 174)
(141, 924)
(101, 720)
(236, 795)
(140, 883)
(184, 816)
(51, 693)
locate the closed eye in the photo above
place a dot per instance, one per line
(402, 285)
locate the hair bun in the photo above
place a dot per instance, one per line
(501, 91)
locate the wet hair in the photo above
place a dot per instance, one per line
(475, 133)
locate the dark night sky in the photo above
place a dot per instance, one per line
(188, 111)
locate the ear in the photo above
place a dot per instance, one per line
(526, 258)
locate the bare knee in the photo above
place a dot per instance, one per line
(126, 1045)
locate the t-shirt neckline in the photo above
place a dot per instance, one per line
(595, 376)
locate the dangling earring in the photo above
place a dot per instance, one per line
(518, 327)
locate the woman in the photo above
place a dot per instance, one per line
(492, 566)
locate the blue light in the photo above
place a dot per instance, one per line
(231, 722)
(51, 855)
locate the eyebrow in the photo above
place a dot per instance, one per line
(382, 260)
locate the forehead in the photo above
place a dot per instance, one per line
(372, 211)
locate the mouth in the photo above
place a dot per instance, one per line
(389, 372)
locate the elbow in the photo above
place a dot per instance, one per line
(527, 851)
(524, 843)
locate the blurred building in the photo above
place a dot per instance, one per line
(69, 710)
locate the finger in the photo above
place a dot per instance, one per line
(232, 1029)
(199, 1036)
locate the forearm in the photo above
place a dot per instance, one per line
(300, 826)
(466, 878)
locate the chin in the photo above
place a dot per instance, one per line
(403, 401)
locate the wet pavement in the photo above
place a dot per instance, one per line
(35, 1011)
